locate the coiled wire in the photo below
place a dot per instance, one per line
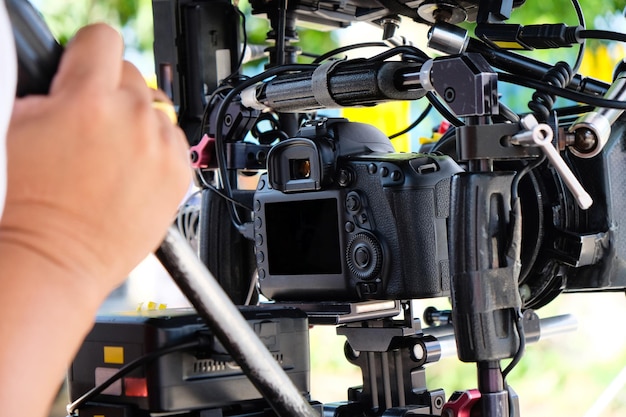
(542, 102)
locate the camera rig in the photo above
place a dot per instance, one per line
(502, 214)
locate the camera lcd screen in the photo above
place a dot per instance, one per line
(303, 237)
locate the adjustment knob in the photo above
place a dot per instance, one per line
(364, 256)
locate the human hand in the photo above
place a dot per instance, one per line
(95, 173)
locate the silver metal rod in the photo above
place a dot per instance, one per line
(386, 379)
(227, 323)
(399, 378)
(549, 327)
(371, 365)
(557, 325)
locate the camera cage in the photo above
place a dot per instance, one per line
(504, 157)
(497, 150)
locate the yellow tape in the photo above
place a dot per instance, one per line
(114, 354)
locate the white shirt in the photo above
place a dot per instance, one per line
(8, 81)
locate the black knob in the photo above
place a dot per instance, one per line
(364, 256)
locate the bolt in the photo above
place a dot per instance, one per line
(418, 352)
(449, 95)
(438, 402)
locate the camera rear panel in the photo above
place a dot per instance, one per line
(381, 234)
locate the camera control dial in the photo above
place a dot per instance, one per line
(364, 256)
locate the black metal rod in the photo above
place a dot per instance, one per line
(38, 52)
(225, 320)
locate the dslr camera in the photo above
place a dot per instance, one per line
(339, 215)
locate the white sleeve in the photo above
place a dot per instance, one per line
(8, 80)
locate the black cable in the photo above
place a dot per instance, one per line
(606, 35)
(417, 121)
(209, 107)
(520, 174)
(507, 113)
(347, 48)
(406, 50)
(519, 326)
(443, 110)
(583, 25)
(243, 49)
(221, 194)
(517, 314)
(572, 110)
(542, 103)
(221, 113)
(126, 369)
(447, 144)
(515, 63)
(309, 55)
(562, 92)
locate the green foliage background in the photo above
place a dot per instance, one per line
(134, 20)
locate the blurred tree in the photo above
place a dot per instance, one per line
(66, 16)
(134, 20)
(562, 11)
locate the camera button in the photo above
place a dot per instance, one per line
(362, 257)
(353, 202)
(368, 288)
(349, 227)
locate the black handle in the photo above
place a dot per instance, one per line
(38, 52)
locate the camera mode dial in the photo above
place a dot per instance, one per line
(364, 256)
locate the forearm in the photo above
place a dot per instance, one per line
(45, 313)
(79, 218)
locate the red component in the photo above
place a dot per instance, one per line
(202, 155)
(443, 127)
(461, 403)
(135, 387)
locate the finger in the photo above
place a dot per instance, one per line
(132, 81)
(159, 95)
(92, 60)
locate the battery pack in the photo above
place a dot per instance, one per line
(196, 379)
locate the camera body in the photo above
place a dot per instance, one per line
(339, 216)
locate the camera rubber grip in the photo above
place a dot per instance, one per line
(484, 283)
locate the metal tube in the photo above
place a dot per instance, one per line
(399, 378)
(214, 306)
(549, 327)
(371, 365)
(386, 379)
